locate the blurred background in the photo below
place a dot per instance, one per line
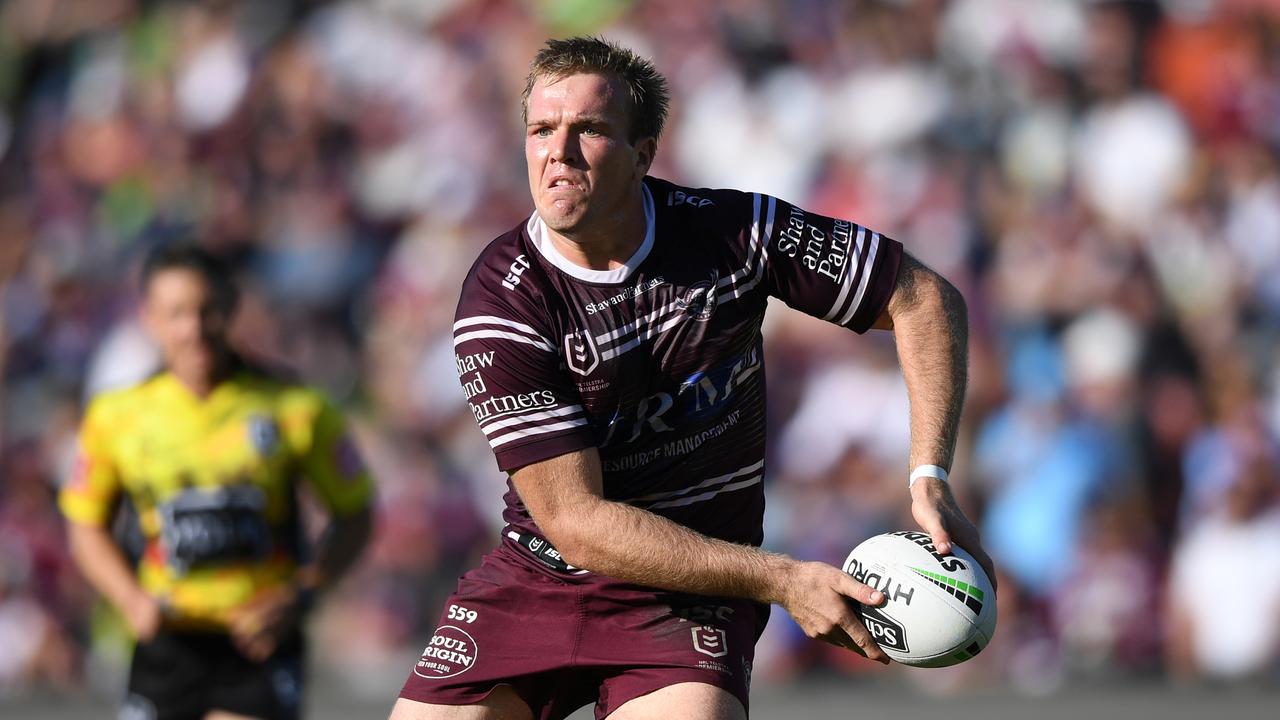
(1099, 178)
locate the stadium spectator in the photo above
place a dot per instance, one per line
(1224, 586)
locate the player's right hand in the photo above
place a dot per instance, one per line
(144, 615)
(818, 597)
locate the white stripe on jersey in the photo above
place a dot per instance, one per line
(867, 265)
(764, 253)
(507, 414)
(752, 251)
(707, 495)
(538, 430)
(495, 320)
(704, 484)
(645, 334)
(527, 334)
(761, 230)
(500, 335)
(631, 326)
(847, 279)
(531, 417)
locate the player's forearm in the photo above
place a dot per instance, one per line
(931, 329)
(625, 542)
(564, 497)
(103, 564)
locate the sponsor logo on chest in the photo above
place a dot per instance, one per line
(702, 395)
(632, 292)
(585, 348)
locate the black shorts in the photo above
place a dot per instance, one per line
(182, 676)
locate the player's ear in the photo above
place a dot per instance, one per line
(646, 148)
(146, 316)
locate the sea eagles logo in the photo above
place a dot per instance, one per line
(580, 352)
(699, 300)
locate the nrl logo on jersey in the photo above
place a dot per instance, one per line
(580, 352)
(711, 641)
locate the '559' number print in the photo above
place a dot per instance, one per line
(457, 612)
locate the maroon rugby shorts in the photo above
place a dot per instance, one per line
(562, 643)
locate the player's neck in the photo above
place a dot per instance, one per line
(202, 383)
(607, 245)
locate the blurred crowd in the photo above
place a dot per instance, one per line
(1100, 179)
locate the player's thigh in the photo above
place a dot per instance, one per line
(501, 704)
(224, 715)
(688, 701)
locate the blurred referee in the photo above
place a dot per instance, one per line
(209, 452)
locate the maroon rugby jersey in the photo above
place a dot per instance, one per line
(657, 363)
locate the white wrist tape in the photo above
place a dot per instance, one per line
(932, 471)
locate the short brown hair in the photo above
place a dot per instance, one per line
(646, 87)
(193, 258)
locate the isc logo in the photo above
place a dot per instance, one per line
(517, 269)
(680, 197)
(886, 631)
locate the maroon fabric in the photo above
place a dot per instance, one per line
(562, 643)
(659, 365)
(662, 368)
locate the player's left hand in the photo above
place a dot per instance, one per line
(258, 626)
(935, 509)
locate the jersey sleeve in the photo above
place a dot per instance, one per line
(832, 269)
(513, 376)
(331, 461)
(90, 495)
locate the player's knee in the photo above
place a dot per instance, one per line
(690, 700)
(501, 704)
(412, 710)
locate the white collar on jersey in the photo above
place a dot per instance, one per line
(542, 240)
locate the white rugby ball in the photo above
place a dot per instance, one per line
(940, 609)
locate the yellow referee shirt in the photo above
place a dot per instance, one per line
(213, 480)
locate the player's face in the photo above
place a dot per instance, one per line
(582, 167)
(185, 319)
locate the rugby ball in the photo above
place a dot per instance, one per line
(940, 609)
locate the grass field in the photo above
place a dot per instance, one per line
(830, 698)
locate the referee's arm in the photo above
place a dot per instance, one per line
(104, 565)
